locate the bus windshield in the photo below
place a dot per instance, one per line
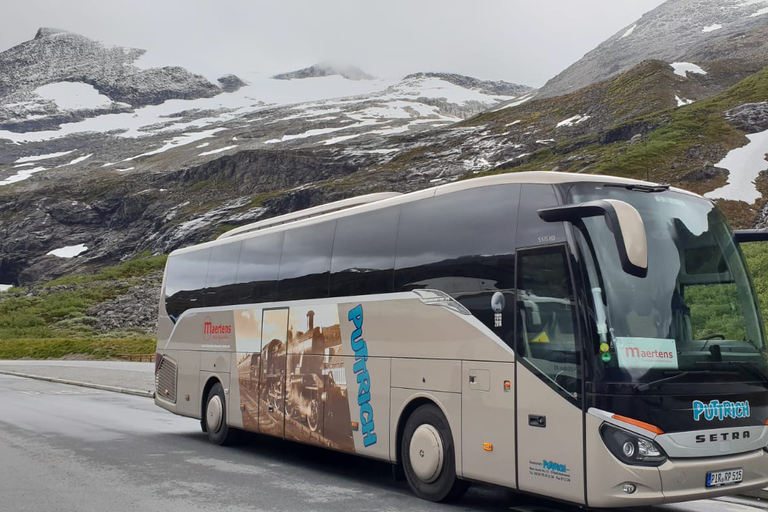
(694, 315)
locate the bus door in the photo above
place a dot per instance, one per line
(550, 443)
(272, 389)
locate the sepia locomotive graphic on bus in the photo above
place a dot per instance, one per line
(310, 397)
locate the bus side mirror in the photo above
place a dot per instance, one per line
(622, 219)
(750, 235)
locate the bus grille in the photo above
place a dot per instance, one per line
(165, 380)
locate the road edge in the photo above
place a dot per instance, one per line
(125, 391)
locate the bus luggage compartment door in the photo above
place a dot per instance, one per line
(488, 422)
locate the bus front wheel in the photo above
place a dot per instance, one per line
(215, 417)
(427, 452)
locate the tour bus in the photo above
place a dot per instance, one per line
(590, 339)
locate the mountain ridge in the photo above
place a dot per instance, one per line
(677, 30)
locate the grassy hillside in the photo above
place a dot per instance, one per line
(669, 132)
(52, 320)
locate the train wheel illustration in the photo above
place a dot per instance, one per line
(313, 417)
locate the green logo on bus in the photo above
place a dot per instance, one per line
(363, 378)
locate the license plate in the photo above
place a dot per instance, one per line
(727, 477)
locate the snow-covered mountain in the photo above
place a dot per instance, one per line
(97, 79)
(695, 31)
(347, 71)
(91, 107)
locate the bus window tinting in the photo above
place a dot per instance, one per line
(222, 272)
(458, 242)
(257, 269)
(305, 263)
(545, 308)
(532, 229)
(185, 281)
(364, 253)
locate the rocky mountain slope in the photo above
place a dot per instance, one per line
(148, 177)
(698, 31)
(59, 57)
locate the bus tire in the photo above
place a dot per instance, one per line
(215, 417)
(427, 452)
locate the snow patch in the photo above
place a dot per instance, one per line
(577, 119)
(516, 102)
(628, 32)
(68, 252)
(214, 151)
(21, 176)
(342, 138)
(181, 140)
(744, 165)
(42, 157)
(682, 101)
(78, 160)
(712, 28)
(759, 13)
(73, 95)
(683, 68)
(5, 287)
(204, 144)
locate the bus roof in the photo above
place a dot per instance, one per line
(375, 201)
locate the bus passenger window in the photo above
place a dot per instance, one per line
(545, 308)
(364, 253)
(257, 269)
(222, 272)
(185, 282)
(305, 263)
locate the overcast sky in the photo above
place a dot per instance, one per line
(521, 41)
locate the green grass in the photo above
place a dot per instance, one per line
(136, 267)
(53, 348)
(51, 320)
(756, 254)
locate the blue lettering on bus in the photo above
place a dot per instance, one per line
(554, 466)
(363, 377)
(716, 409)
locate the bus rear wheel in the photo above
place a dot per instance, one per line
(427, 452)
(215, 417)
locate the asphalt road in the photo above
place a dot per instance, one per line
(66, 448)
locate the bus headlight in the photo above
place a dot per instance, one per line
(631, 448)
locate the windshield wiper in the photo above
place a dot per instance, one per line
(656, 383)
(750, 366)
(639, 188)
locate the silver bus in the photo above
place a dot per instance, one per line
(586, 338)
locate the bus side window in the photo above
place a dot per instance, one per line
(257, 269)
(222, 271)
(364, 253)
(305, 263)
(461, 243)
(185, 282)
(545, 308)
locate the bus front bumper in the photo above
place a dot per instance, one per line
(676, 480)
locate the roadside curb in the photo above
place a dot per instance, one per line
(125, 391)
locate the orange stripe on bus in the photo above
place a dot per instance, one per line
(643, 425)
